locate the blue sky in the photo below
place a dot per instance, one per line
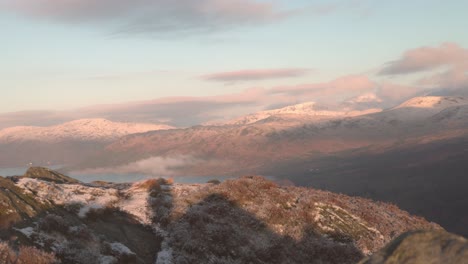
(60, 58)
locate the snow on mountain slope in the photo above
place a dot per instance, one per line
(309, 109)
(418, 109)
(439, 102)
(81, 130)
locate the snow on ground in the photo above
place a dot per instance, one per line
(310, 109)
(27, 231)
(121, 249)
(63, 194)
(136, 202)
(434, 102)
(133, 200)
(165, 255)
(107, 260)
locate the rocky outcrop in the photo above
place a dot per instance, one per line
(423, 247)
(48, 175)
(16, 204)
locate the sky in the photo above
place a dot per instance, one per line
(108, 58)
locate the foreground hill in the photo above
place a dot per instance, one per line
(247, 220)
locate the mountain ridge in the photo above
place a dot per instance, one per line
(94, 129)
(309, 110)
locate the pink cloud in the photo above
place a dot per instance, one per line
(339, 88)
(445, 67)
(393, 93)
(187, 111)
(428, 58)
(254, 74)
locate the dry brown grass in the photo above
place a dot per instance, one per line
(311, 220)
(153, 184)
(25, 255)
(148, 184)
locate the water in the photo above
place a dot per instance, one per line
(12, 171)
(138, 177)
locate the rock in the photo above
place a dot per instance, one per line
(48, 175)
(15, 204)
(425, 247)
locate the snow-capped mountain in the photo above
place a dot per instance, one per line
(434, 102)
(309, 110)
(262, 138)
(79, 130)
(419, 109)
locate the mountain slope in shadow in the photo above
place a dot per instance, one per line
(425, 178)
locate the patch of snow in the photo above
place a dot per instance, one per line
(63, 194)
(27, 231)
(165, 255)
(85, 209)
(136, 202)
(107, 260)
(121, 249)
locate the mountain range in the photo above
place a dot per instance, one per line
(65, 143)
(411, 154)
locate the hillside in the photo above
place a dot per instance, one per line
(415, 150)
(15, 204)
(156, 221)
(67, 143)
(238, 149)
(424, 175)
(310, 111)
(78, 130)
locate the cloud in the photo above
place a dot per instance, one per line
(336, 89)
(445, 67)
(157, 16)
(394, 93)
(177, 111)
(32, 118)
(254, 75)
(189, 111)
(366, 98)
(428, 58)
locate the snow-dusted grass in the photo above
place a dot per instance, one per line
(27, 231)
(246, 220)
(135, 202)
(121, 249)
(66, 194)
